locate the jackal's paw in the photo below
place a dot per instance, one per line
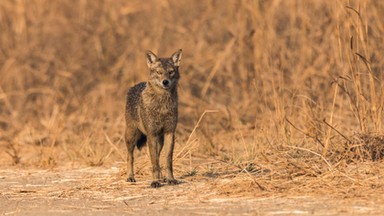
(155, 184)
(171, 181)
(131, 179)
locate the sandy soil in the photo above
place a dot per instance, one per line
(101, 190)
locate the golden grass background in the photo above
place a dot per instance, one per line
(281, 91)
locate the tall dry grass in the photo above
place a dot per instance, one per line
(287, 80)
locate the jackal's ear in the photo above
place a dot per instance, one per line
(151, 58)
(176, 57)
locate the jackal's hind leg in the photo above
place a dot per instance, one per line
(132, 135)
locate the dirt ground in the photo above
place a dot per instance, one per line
(101, 190)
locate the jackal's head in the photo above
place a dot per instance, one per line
(164, 72)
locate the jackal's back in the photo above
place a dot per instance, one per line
(133, 100)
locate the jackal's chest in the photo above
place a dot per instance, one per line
(162, 111)
(160, 104)
(159, 114)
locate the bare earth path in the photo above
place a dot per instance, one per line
(101, 190)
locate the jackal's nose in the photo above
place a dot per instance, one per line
(166, 83)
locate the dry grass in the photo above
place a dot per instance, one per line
(293, 85)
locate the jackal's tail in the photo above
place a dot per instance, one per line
(142, 141)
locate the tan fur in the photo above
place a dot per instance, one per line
(151, 115)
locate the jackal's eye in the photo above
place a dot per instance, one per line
(158, 72)
(171, 73)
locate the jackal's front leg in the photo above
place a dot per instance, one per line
(169, 142)
(154, 147)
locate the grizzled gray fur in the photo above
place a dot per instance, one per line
(151, 115)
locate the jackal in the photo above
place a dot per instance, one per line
(151, 115)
